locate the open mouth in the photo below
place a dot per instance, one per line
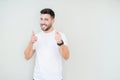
(43, 27)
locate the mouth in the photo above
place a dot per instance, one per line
(43, 27)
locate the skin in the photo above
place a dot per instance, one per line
(46, 23)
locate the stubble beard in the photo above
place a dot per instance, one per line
(45, 27)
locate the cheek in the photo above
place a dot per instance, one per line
(47, 23)
(41, 22)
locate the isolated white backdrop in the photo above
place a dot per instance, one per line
(91, 26)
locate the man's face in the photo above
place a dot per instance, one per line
(46, 22)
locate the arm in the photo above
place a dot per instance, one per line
(29, 51)
(63, 47)
(64, 51)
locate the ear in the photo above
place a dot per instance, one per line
(53, 20)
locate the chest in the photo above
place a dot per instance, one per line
(47, 41)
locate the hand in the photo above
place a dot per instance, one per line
(58, 37)
(33, 38)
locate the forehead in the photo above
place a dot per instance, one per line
(45, 16)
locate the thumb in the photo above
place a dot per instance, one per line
(56, 32)
(33, 33)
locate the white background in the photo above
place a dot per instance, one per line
(91, 26)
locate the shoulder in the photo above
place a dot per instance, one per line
(62, 33)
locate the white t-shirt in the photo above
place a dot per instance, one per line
(48, 60)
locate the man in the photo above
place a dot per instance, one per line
(50, 46)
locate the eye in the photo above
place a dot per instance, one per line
(46, 19)
(41, 18)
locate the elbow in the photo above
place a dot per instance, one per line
(26, 57)
(66, 58)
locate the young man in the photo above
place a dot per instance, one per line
(50, 46)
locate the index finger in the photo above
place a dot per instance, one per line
(33, 32)
(57, 32)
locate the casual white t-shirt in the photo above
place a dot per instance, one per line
(48, 63)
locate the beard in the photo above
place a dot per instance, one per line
(45, 27)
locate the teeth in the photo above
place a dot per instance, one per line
(43, 26)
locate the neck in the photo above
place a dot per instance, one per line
(50, 30)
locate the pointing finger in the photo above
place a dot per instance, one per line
(33, 33)
(57, 32)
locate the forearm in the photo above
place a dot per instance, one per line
(64, 51)
(29, 51)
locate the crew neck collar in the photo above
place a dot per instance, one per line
(48, 32)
